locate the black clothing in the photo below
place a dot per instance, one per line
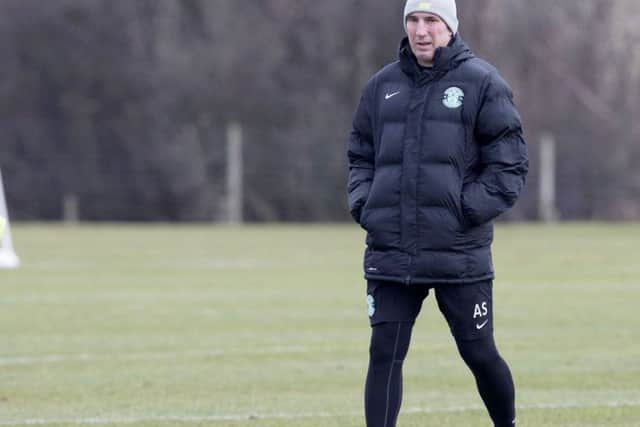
(383, 389)
(434, 156)
(467, 308)
(493, 379)
(388, 349)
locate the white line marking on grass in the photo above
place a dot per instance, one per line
(88, 357)
(569, 405)
(240, 417)
(211, 264)
(551, 406)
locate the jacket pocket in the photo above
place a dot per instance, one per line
(364, 216)
(462, 219)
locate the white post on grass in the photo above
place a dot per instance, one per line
(234, 173)
(8, 257)
(547, 190)
(70, 209)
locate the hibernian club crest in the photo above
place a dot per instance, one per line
(453, 97)
(371, 303)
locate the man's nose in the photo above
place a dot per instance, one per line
(421, 29)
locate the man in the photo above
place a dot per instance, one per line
(435, 155)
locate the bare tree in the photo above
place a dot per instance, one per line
(125, 103)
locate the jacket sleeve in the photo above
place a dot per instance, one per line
(503, 159)
(361, 158)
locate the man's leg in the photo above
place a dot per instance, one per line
(383, 390)
(469, 312)
(493, 379)
(393, 309)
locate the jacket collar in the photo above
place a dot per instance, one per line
(445, 59)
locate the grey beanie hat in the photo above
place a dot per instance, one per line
(445, 9)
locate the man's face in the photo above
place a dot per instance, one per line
(426, 33)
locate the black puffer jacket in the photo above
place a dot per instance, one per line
(434, 156)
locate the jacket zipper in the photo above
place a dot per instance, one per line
(427, 88)
(407, 280)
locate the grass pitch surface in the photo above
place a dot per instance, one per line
(266, 326)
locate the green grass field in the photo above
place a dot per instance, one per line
(266, 326)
